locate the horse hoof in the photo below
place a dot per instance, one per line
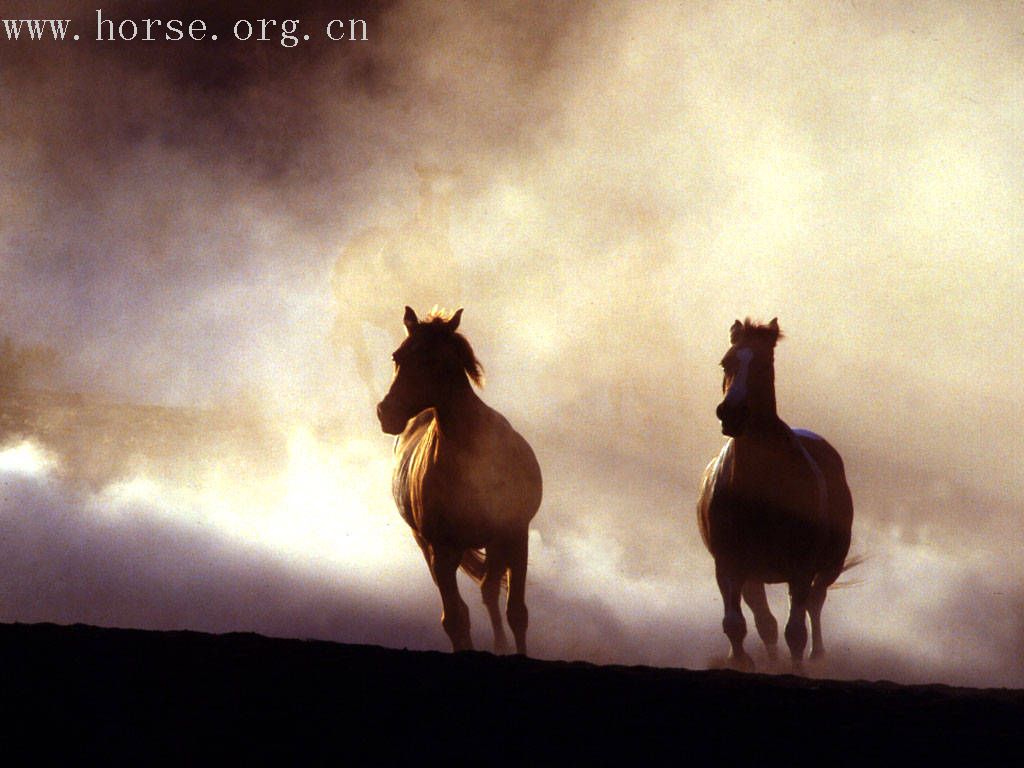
(741, 663)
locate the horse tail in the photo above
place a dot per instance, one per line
(474, 564)
(851, 562)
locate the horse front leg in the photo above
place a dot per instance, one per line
(734, 625)
(444, 564)
(767, 626)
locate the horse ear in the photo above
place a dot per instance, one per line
(774, 324)
(453, 324)
(734, 332)
(410, 320)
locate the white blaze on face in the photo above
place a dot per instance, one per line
(738, 386)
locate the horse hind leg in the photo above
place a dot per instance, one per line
(767, 626)
(815, 602)
(796, 627)
(495, 575)
(515, 611)
(444, 563)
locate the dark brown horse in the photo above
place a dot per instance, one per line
(464, 480)
(774, 505)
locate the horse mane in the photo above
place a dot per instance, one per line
(752, 332)
(440, 318)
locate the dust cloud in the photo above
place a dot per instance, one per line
(229, 233)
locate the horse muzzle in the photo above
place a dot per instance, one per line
(733, 418)
(390, 423)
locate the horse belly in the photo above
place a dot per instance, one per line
(476, 509)
(778, 543)
(764, 542)
(466, 497)
(502, 500)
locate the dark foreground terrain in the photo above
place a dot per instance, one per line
(185, 697)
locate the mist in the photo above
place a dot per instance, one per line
(604, 188)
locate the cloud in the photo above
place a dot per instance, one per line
(305, 553)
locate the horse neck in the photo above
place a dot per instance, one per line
(771, 464)
(767, 416)
(764, 423)
(763, 437)
(459, 414)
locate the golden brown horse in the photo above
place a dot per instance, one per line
(465, 481)
(774, 505)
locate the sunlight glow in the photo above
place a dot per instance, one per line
(27, 458)
(333, 501)
(329, 506)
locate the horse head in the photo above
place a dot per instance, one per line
(430, 364)
(748, 381)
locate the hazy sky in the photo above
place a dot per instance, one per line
(604, 187)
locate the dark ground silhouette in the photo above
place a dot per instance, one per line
(185, 697)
